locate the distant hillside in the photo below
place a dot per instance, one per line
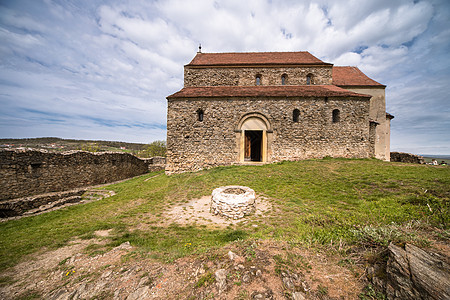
(429, 157)
(436, 156)
(58, 144)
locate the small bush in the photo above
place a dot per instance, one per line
(156, 148)
(370, 294)
(205, 280)
(371, 236)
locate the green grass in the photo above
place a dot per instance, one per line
(317, 202)
(205, 280)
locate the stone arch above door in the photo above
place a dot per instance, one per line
(251, 119)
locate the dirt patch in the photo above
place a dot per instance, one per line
(249, 270)
(103, 233)
(197, 211)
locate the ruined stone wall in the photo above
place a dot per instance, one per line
(26, 173)
(193, 145)
(156, 163)
(406, 158)
(222, 76)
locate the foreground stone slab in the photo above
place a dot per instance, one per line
(413, 273)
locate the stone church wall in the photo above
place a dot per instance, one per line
(26, 173)
(193, 145)
(194, 76)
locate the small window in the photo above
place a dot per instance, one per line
(200, 115)
(283, 79)
(258, 79)
(295, 115)
(309, 79)
(336, 116)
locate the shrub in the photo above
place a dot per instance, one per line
(156, 148)
(371, 236)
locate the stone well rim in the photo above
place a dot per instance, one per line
(248, 196)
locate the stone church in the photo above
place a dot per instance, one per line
(256, 108)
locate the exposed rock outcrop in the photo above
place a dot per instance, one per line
(413, 273)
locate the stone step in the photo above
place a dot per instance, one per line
(19, 206)
(28, 206)
(49, 206)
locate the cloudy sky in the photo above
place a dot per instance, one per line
(98, 69)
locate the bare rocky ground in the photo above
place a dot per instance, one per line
(241, 270)
(260, 270)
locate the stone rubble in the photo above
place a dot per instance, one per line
(221, 279)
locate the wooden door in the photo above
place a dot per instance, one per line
(247, 146)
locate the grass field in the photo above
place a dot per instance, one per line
(316, 204)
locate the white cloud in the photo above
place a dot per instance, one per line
(95, 67)
(348, 59)
(378, 59)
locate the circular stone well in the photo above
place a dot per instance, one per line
(233, 201)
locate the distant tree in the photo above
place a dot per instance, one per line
(156, 148)
(91, 147)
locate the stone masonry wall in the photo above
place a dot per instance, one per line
(215, 76)
(193, 145)
(406, 158)
(26, 173)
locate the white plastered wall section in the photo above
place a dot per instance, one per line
(377, 113)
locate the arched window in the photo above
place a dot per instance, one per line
(309, 79)
(295, 115)
(283, 79)
(336, 115)
(258, 79)
(200, 115)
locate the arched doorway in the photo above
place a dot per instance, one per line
(253, 137)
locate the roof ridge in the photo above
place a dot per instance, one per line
(256, 58)
(266, 90)
(253, 52)
(265, 86)
(352, 76)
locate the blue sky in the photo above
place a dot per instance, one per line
(102, 69)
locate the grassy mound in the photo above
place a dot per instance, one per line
(328, 202)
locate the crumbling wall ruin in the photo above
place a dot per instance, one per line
(406, 158)
(31, 172)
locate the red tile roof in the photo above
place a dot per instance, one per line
(256, 58)
(352, 76)
(265, 91)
